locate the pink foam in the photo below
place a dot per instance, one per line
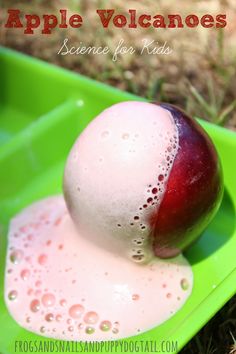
(61, 285)
(116, 174)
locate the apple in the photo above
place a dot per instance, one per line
(194, 189)
(143, 180)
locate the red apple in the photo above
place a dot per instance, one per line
(194, 189)
(143, 178)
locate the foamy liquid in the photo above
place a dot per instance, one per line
(116, 175)
(59, 284)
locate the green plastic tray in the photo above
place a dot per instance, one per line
(42, 110)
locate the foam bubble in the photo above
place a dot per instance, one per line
(115, 330)
(48, 300)
(42, 329)
(91, 317)
(76, 311)
(49, 317)
(105, 326)
(25, 273)
(63, 302)
(16, 256)
(35, 305)
(12, 295)
(42, 259)
(184, 284)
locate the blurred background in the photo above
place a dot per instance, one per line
(199, 76)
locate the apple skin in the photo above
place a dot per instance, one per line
(193, 193)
